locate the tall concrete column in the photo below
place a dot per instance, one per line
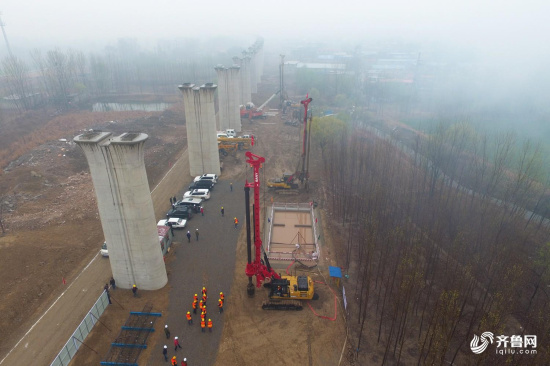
(253, 73)
(125, 207)
(260, 63)
(224, 85)
(245, 79)
(200, 119)
(234, 95)
(237, 61)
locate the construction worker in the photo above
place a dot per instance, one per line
(195, 306)
(176, 343)
(188, 236)
(236, 222)
(197, 234)
(223, 211)
(189, 319)
(203, 325)
(210, 325)
(134, 290)
(204, 291)
(204, 297)
(184, 362)
(174, 361)
(222, 296)
(220, 305)
(201, 304)
(165, 353)
(196, 298)
(203, 315)
(167, 332)
(231, 186)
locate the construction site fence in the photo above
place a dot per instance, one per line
(304, 207)
(75, 341)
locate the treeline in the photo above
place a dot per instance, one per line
(64, 78)
(442, 244)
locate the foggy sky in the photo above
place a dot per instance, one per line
(491, 25)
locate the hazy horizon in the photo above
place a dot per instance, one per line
(506, 29)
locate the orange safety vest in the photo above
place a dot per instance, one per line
(195, 304)
(222, 297)
(203, 315)
(203, 324)
(204, 291)
(204, 297)
(174, 362)
(209, 324)
(195, 297)
(236, 221)
(220, 303)
(188, 316)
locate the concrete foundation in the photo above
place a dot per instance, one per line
(292, 232)
(200, 119)
(228, 97)
(125, 208)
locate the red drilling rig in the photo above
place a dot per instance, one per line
(283, 289)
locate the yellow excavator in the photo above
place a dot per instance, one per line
(285, 182)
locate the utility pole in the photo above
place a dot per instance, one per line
(5, 36)
(282, 81)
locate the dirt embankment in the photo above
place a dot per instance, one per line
(50, 212)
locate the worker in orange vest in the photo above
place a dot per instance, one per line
(201, 304)
(203, 325)
(204, 297)
(194, 306)
(195, 298)
(236, 222)
(203, 291)
(189, 319)
(220, 305)
(174, 361)
(210, 325)
(222, 296)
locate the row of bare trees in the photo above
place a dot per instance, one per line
(444, 242)
(62, 78)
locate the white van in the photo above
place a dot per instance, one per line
(222, 134)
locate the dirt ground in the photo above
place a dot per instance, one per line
(40, 250)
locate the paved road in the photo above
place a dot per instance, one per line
(209, 262)
(41, 344)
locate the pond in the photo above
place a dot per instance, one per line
(122, 107)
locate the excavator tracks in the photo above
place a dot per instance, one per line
(282, 305)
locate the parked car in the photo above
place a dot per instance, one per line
(104, 252)
(201, 184)
(198, 193)
(180, 212)
(174, 222)
(211, 177)
(194, 203)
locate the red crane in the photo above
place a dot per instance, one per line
(259, 268)
(304, 173)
